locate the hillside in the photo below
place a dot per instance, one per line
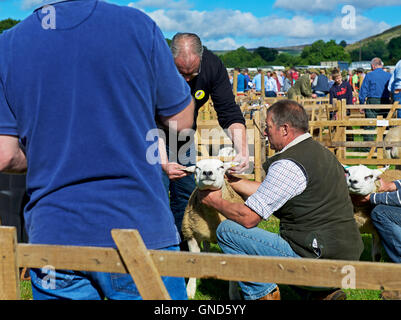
(386, 36)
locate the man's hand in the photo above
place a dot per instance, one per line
(314, 95)
(174, 170)
(243, 164)
(210, 198)
(360, 200)
(387, 186)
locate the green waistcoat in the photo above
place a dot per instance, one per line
(319, 222)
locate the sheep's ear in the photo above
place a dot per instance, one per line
(228, 165)
(378, 172)
(190, 169)
(345, 168)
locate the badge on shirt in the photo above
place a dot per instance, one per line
(199, 95)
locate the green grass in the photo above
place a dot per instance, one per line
(211, 289)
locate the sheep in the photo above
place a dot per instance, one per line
(393, 135)
(362, 181)
(200, 222)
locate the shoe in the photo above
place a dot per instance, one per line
(274, 295)
(391, 295)
(25, 275)
(335, 294)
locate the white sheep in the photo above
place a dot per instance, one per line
(394, 152)
(362, 180)
(200, 222)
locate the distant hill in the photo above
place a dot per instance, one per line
(293, 50)
(386, 36)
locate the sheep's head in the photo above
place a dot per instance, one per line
(209, 173)
(361, 180)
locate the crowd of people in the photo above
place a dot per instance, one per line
(314, 83)
(80, 134)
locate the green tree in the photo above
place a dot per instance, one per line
(267, 54)
(394, 50)
(7, 24)
(324, 51)
(372, 49)
(242, 58)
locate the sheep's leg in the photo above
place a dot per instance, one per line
(193, 246)
(206, 246)
(376, 247)
(233, 291)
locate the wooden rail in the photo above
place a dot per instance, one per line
(147, 266)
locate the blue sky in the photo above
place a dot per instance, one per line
(229, 24)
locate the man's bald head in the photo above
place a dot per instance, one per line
(187, 51)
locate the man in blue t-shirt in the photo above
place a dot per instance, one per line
(81, 84)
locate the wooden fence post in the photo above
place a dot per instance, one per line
(9, 274)
(140, 265)
(235, 83)
(262, 85)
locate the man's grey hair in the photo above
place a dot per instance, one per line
(196, 44)
(377, 62)
(290, 112)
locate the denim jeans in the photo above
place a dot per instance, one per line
(397, 97)
(236, 239)
(181, 189)
(81, 285)
(387, 220)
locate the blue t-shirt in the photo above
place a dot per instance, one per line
(240, 83)
(82, 98)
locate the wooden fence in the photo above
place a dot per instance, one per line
(210, 138)
(147, 266)
(339, 134)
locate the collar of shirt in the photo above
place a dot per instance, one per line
(297, 140)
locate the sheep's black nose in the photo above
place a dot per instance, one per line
(207, 173)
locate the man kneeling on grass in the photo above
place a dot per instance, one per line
(305, 188)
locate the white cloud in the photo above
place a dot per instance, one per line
(161, 4)
(330, 6)
(223, 28)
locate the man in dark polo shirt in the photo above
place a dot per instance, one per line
(305, 188)
(207, 77)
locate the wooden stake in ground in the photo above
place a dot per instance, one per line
(140, 265)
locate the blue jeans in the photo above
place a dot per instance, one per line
(236, 239)
(397, 97)
(387, 220)
(83, 285)
(180, 190)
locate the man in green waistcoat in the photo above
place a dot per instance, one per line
(303, 86)
(305, 188)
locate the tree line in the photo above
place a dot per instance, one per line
(317, 52)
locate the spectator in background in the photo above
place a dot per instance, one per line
(361, 77)
(303, 86)
(240, 81)
(271, 86)
(287, 83)
(394, 86)
(321, 89)
(257, 83)
(340, 89)
(374, 90)
(247, 80)
(278, 84)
